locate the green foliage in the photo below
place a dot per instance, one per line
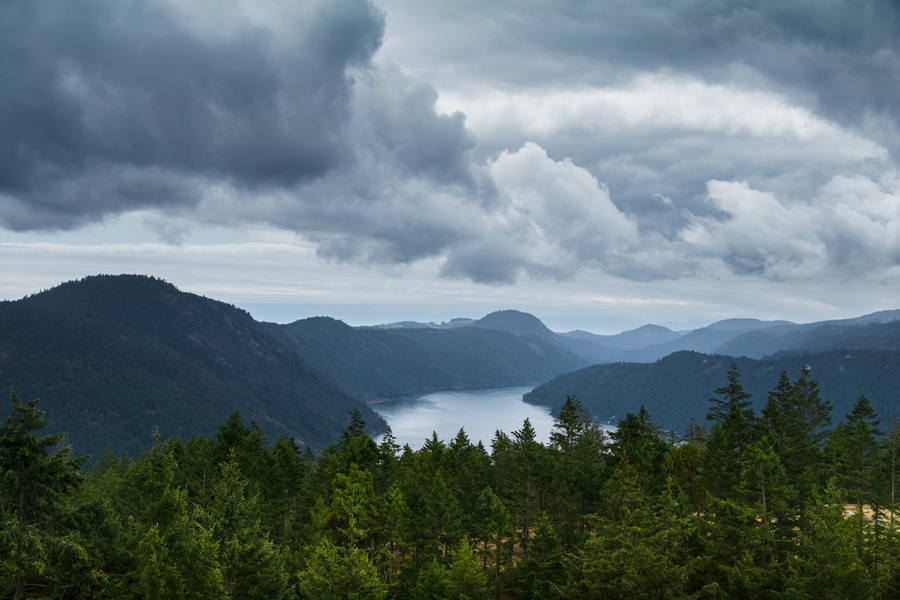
(541, 572)
(252, 566)
(34, 480)
(339, 573)
(170, 551)
(745, 511)
(114, 357)
(378, 364)
(674, 389)
(466, 579)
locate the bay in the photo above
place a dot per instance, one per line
(480, 412)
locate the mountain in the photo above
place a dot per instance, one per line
(647, 335)
(751, 338)
(515, 322)
(676, 388)
(850, 334)
(741, 325)
(113, 357)
(451, 324)
(375, 363)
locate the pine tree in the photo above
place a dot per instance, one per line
(542, 570)
(339, 573)
(170, 552)
(854, 446)
(826, 564)
(733, 395)
(576, 459)
(252, 566)
(34, 481)
(527, 464)
(466, 579)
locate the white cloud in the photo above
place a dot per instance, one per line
(850, 229)
(663, 104)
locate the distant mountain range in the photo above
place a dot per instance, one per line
(376, 364)
(677, 388)
(114, 357)
(749, 338)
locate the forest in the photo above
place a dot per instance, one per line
(782, 503)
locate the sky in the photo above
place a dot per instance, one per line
(601, 164)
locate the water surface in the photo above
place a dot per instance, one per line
(480, 412)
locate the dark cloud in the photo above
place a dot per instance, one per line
(839, 56)
(102, 87)
(644, 139)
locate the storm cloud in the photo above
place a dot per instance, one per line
(124, 105)
(644, 140)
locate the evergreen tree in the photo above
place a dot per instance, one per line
(35, 478)
(467, 474)
(466, 579)
(282, 494)
(577, 460)
(724, 458)
(170, 552)
(386, 466)
(733, 395)
(443, 514)
(633, 552)
(395, 528)
(639, 440)
(527, 465)
(351, 518)
(539, 573)
(339, 573)
(432, 582)
(826, 564)
(252, 566)
(854, 446)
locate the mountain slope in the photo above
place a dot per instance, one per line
(646, 335)
(863, 333)
(516, 323)
(742, 337)
(676, 389)
(378, 363)
(112, 357)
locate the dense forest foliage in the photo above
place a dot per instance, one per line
(774, 503)
(753, 338)
(674, 388)
(112, 357)
(375, 363)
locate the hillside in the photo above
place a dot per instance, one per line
(113, 357)
(751, 338)
(516, 323)
(373, 363)
(677, 388)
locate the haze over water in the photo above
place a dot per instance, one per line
(480, 412)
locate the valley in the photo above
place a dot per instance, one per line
(115, 358)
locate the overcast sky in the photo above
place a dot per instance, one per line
(600, 164)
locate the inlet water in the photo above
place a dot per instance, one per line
(480, 412)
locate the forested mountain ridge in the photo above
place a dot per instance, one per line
(756, 505)
(675, 389)
(373, 363)
(742, 337)
(116, 356)
(113, 357)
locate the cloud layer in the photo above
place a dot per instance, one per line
(644, 140)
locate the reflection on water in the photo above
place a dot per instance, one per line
(480, 412)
